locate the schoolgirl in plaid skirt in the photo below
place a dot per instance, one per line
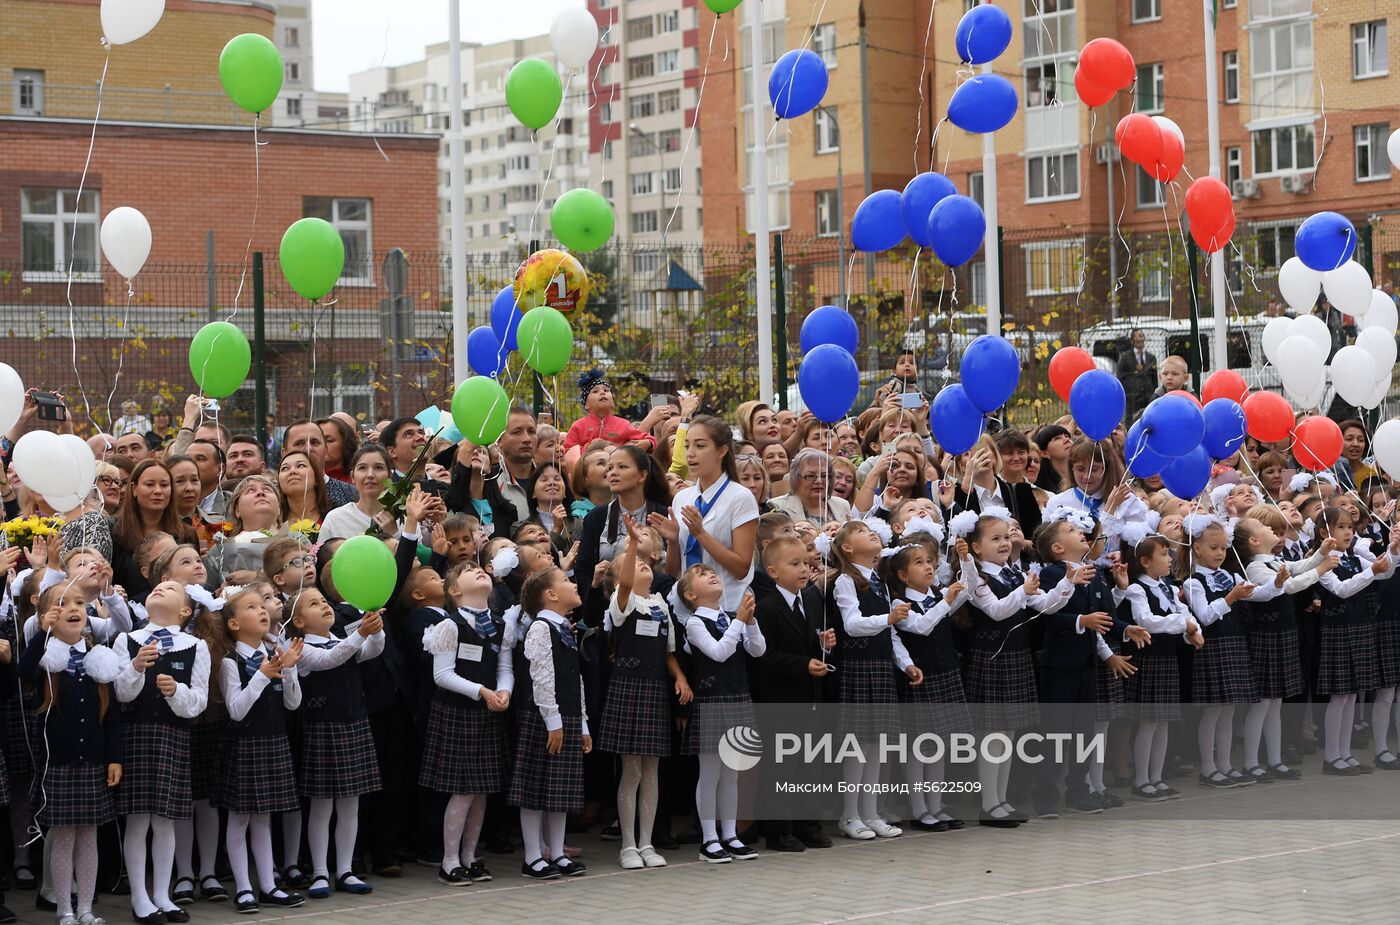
(163, 685)
(338, 761)
(78, 740)
(1387, 618)
(259, 685)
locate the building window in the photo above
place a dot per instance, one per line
(828, 218)
(640, 144)
(1041, 86)
(824, 42)
(975, 187)
(668, 22)
(979, 283)
(641, 105)
(1151, 88)
(1369, 55)
(1147, 10)
(639, 28)
(1052, 176)
(607, 150)
(29, 93)
(1231, 72)
(58, 228)
(608, 189)
(641, 66)
(1283, 150)
(293, 71)
(1153, 277)
(1275, 244)
(668, 101)
(351, 217)
(1054, 267)
(605, 113)
(1150, 193)
(1371, 160)
(1281, 69)
(671, 180)
(291, 37)
(294, 107)
(645, 222)
(642, 184)
(668, 62)
(669, 140)
(1234, 167)
(828, 132)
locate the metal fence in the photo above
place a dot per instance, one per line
(685, 319)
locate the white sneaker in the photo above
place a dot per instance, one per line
(854, 828)
(630, 859)
(883, 829)
(650, 858)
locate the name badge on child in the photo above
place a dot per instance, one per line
(647, 627)
(468, 652)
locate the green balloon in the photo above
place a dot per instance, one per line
(250, 68)
(312, 256)
(479, 409)
(364, 572)
(582, 220)
(219, 359)
(722, 6)
(534, 92)
(546, 340)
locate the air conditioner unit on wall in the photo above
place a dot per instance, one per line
(1106, 154)
(1245, 189)
(1296, 183)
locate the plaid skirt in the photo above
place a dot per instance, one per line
(711, 717)
(549, 783)
(155, 770)
(1347, 661)
(73, 795)
(1110, 701)
(16, 715)
(1155, 691)
(1002, 690)
(258, 776)
(1220, 672)
(938, 705)
(207, 742)
(338, 760)
(1274, 659)
(636, 717)
(1388, 649)
(464, 748)
(869, 692)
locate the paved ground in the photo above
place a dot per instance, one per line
(1128, 865)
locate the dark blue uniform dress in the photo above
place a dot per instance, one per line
(940, 704)
(258, 772)
(337, 749)
(1347, 662)
(637, 711)
(721, 690)
(867, 676)
(1220, 672)
(550, 783)
(999, 677)
(156, 772)
(465, 748)
(1271, 633)
(1156, 687)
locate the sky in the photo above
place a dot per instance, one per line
(354, 35)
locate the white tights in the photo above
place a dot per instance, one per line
(461, 827)
(1336, 726)
(1094, 776)
(637, 789)
(925, 791)
(1213, 737)
(995, 777)
(204, 829)
(1382, 714)
(250, 830)
(543, 832)
(162, 832)
(717, 799)
(1264, 721)
(863, 780)
(74, 858)
(318, 833)
(1149, 752)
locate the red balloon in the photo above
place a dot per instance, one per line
(1268, 416)
(1106, 63)
(1067, 365)
(1212, 213)
(1185, 394)
(1173, 156)
(1317, 443)
(1140, 139)
(1090, 93)
(1225, 383)
(1212, 241)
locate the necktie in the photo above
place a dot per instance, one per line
(253, 662)
(797, 608)
(878, 586)
(164, 638)
(75, 660)
(694, 554)
(1221, 580)
(918, 606)
(1010, 576)
(482, 622)
(566, 633)
(722, 621)
(657, 615)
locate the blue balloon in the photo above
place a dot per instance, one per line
(1187, 475)
(1142, 462)
(1225, 428)
(983, 104)
(797, 83)
(828, 381)
(1174, 425)
(505, 319)
(877, 225)
(983, 34)
(484, 352)
(917, 201)
(956, 227)
(1097, 401)
(954, 419)
(1325, 241)
(829, 325)
(990, 370)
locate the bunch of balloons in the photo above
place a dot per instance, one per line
(828, 379)
(1154, 143)
(990, 371)
(60, 467)
(533, 88)
(1105, 67)
(929, 211)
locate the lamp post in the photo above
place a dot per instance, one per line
(840, 207)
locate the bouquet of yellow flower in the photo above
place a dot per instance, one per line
(22, 530)
(307, 528)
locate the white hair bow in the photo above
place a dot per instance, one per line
(505, 561)
(823, 544)
(1196, 524)
(924, 525)
(1134, 533)
(201, 596)
(963, 524)
(881, 529)
(1070, 515)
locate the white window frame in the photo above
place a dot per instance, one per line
(665, 99)
(1230, 71)
(641, 66)
(1275, 170)
(1294, 81)
(671, 57)
(32, 82)
(291, 37)
(293, 71)
(340, 395)
(827, 130)
(640, 28)
(824, 43)
(976, 187)
(59, 219)
(641, 227)
(828, 221)
(1271, 229)
(1070, 247)
(670, 136)
(366, 225)
(1371, 138)
(1368, 43)
(1059, 158)
(641, 105)
(668, 22)
(1153, 13)
(642, 184)
(1143, 185)
(1156, 75)
(1153, 277)
(671, 180)
(1234, 166)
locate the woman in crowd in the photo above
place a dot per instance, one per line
(341, 445)
(302, 487)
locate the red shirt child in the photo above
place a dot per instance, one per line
(600, 423)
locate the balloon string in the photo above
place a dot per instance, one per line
(923, 70)
(553, 153)
(121, 351)
(612, 103)
(73, 238)
(689, 138)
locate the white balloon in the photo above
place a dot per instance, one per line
(45, 464)
(1315, 330)
(1299, 284)
(574, 37)
(1168, 125)
(1299, 363)
(1274, 333)
(1382, 313)
(126, 240)
(1313, 400)
(1381, 347)
(1349, 288)
(1354, 374)
(1386, 444)
(1392, 148)
(62, 504)
(11, 397)
(1379, 393)
(87, 463)
(126, 21)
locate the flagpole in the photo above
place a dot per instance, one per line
(458, 201)
(758, 180)
(1219, 360)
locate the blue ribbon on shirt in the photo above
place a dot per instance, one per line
(164, 638)
(693, 553)
(1092, 503)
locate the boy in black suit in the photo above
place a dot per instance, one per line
(771, 526)
(793, 669)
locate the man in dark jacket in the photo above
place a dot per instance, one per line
(1137, 370)
(501, 477)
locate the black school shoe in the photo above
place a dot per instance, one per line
(1387, 761)
(1110, 799)
(280, 897)
(1239, 778)
(712, 852)
(1148, 796)
(457, 876)
(739, 851)
(1215, 781)
(785, 843)
(151, 918)
(539, 870)
(212, 890)
(179, 916)
(6, 915)
(1346, 770)
(1259, 775)
(183, 896)
(569, 867)
(813, 840)
(477, 872)
(1284, 772)
(1086, 804)
(1171, 793)
(247, 906)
